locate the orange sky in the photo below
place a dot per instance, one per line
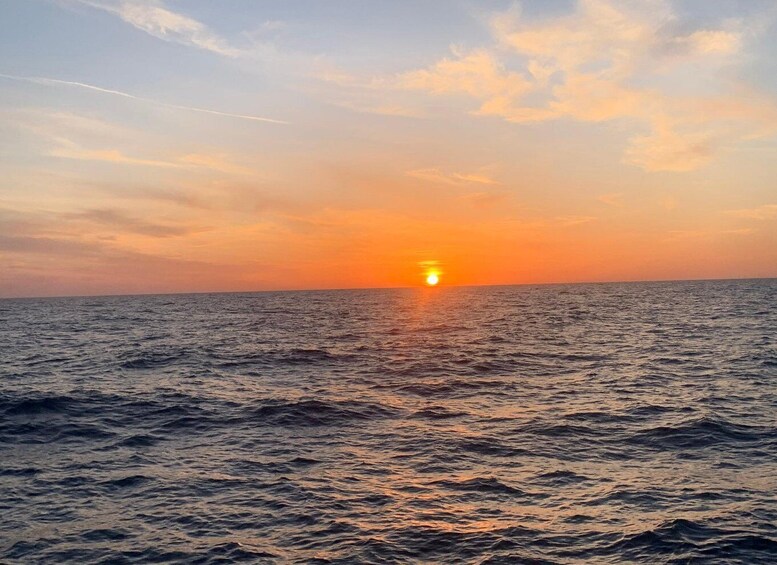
(149, 150)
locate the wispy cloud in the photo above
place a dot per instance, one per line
(218, 163)
(569, 221)
(438, 176)
(554, 222)
(58, 82)
(74, 136)
(485, 199)
(96, 267)
(214, 162)
(72, 151)
(681, 235)
(765, 212)
(117, 220)
(387, 109)
(154, 18)
(611, 198)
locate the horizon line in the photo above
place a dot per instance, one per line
(419, 286)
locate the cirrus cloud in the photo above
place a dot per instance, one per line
(152, 17)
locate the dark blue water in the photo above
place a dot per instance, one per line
(551, 424)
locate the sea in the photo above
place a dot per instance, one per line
(585, 423)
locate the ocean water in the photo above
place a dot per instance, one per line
(600, 423)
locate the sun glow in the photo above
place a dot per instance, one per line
(432, 279)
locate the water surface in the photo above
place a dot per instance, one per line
(559, 424)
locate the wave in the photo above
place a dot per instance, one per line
(283, 357)
(127, 482)
(457, 544)
(45, 432)
(560, 478)
(104, 535)
(304, 356)
(687, 540)
(19, 472)
(702, 432)
(488, 446)
(294, 465)
(449, 387)
(437, 413)
(542, 427)
(151, 359)
(319, 412)
(139, 440)
(36, 405)
(481, 485)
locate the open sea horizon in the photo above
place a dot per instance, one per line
(554, 423)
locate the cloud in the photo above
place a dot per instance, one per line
(44, 245)
(72, 151)
(69, 83)
(35, 245)
(156, 19)
(155, 195)
(680, 235)
(215, 162)
(485, 199)
(554, 222)
(437, 176)
(68, 149)
(91, 267)
(478, 73)
(670, 151)
(712, 41)
(609, 61)
(152, 17)
(381, 109)
(611, 199)
(59, 129)
(345, 90)
(569, 221)
(765, 212)
(74, 228)
(220, 163)
(120, 221)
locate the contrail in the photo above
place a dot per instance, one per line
(54, 81)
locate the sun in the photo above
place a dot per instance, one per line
(432, 279)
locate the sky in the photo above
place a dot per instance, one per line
(151, 146)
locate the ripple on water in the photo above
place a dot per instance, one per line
(538, 424)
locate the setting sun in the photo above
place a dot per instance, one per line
(432, 279)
